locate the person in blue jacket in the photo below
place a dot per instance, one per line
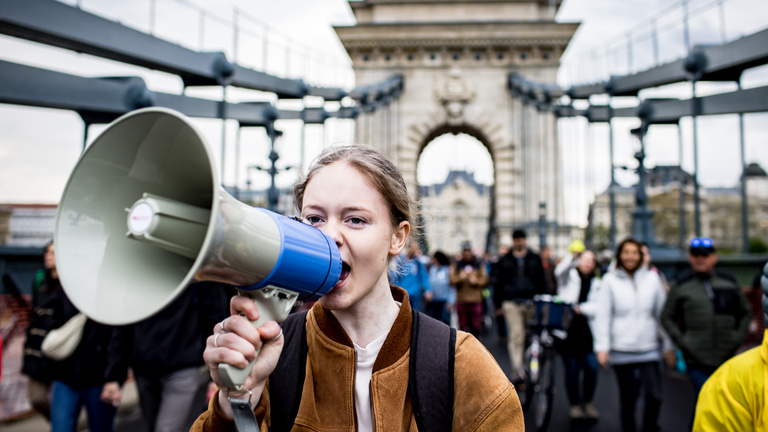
(411, 275)
(442, 295)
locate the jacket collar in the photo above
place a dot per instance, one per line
(398, 341)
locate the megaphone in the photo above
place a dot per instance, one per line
(143, 215)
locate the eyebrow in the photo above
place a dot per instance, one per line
(344, 209)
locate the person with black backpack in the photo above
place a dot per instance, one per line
(361, 358)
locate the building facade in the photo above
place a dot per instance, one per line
(455, 211)
(27, 225)
(720, 210)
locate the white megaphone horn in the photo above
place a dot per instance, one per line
(143, 216)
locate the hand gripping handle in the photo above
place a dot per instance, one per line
(274, 305)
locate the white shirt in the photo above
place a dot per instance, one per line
(365, 359)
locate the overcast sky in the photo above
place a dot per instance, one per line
(39, 147)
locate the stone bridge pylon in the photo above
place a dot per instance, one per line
(456, 58)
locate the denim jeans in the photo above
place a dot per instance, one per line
(580, 392)
(67, 401)
(698, 378)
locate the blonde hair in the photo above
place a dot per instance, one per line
(380, 171)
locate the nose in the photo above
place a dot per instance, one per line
(333, 229)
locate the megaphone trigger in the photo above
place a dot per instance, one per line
(274, 305)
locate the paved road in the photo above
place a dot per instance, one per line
(677, 405)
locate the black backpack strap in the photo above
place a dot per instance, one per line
(430, 374)
(287, 380)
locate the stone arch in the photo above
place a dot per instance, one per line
(491, 134)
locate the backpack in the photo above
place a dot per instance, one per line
(430, 373)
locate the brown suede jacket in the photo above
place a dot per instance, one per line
(485, 400)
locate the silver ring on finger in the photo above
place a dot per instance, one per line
(216, 339)
(278, 336)
(224, 325)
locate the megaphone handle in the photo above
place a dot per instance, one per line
(274, 305)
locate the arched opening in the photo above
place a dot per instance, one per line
(455, 172)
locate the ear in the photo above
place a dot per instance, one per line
(399, 238)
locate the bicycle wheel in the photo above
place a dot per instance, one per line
(543, 394)
(525, 390)
(526, 385)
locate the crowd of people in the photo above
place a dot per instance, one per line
(627, 316)
(359, 338)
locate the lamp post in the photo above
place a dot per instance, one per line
(642, 217)
(272, 192)
(542, 224)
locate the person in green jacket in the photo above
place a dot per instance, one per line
(706, 314)
(734, 398)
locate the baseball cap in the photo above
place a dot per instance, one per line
(577, 246)
(702, 246)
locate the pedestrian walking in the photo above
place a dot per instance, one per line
(733, 398)
(581, 289)
(46, 299)
(469, 277)
(79, 378)
(518, 276)
(442, 295)
(626, 331)
(76, 379)
(706, 314)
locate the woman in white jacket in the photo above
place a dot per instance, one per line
(580, 287)
(626, 329)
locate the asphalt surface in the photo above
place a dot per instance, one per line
(678, 398)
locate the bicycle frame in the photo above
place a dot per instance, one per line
(539, 379)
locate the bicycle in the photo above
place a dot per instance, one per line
(550, 316)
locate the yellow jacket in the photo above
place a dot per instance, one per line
(485, 400)
(734, 397)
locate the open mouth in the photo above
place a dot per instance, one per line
(345, 269)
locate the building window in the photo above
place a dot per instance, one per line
(459, 209)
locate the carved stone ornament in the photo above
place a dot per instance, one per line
(453, 91)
